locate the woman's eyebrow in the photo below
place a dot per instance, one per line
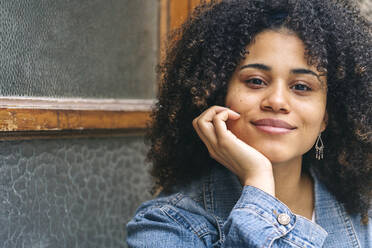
(268, 68)
(256, 66)
(307, 71)
(293, 71)
(304, 71)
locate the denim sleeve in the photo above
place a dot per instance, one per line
(255, 222)
(162, 227)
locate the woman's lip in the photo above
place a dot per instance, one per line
(274, 123)
(273, 130)
(273, 126)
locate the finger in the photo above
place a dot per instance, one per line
(213, 153)
(219, 122)
(211, 112)
(205, 130)
(205, 121)
(206, 140)
(200, 132)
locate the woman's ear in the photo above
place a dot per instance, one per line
(324, 122)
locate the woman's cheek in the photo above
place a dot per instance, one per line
(237, 127)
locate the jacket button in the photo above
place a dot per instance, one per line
(284, 219)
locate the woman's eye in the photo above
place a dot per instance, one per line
(301, 87)
(255, 81)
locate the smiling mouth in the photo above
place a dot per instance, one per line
(273, 126)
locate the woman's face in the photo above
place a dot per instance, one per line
(281, 99)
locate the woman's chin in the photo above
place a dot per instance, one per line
(279, 157)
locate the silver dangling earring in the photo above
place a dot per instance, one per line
(319, 147)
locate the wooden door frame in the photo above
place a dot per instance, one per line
(35, 117)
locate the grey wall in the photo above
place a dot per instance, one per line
(74, 192)
(85, 48)
(70, 192)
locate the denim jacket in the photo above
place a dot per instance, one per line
(216, 211)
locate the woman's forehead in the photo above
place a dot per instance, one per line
(277, 48)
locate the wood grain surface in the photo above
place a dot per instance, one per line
(25, 117)
(57, 120)
(22, 118)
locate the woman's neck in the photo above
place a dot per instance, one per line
(293, 187)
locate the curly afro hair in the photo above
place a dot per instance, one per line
(203, 56)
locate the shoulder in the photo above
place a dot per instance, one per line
(331, 214)
(363, 231)
(183, 200)
(159, 203)
(177, 213)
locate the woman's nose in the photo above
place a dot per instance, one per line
(276, 99)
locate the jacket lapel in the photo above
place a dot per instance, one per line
(331, 215)
(221, 192)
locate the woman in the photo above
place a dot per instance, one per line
(262, 133)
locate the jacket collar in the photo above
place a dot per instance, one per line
(222, 189)
(332, 216)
